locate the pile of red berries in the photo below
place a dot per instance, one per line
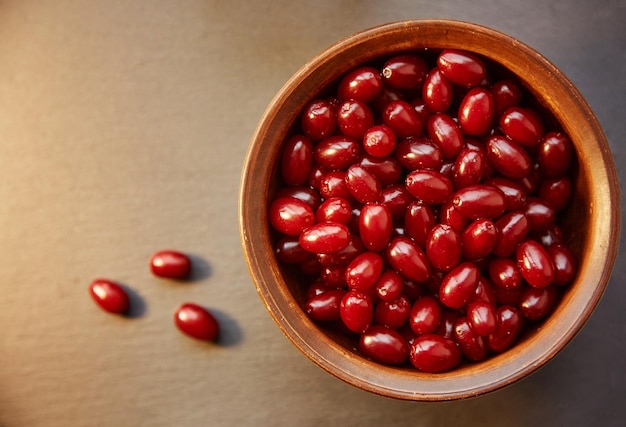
(190, 318)
(421, 200)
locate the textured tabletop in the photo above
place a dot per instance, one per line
(123, 131)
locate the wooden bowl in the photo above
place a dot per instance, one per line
(592, 220)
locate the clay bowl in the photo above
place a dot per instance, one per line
(592, 219)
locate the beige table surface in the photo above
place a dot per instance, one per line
(123, 129)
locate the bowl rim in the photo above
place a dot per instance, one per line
(596, 161)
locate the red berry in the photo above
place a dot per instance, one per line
(459, 285)
(109, 295)
(288, 215)
(437, 92)
(375, 226)
(402, 118)
(479, 201)
(363, 84)
(319, 120)
(296, 160)
(384, 345)
(522, 125)
(462, 67)
(356, 311)
(425, 315)
(434, 353)
(443, 247)
(472, 345)
(404, 71)
(535, 264)
(196, 322)
(170, 264)
(325, 238)
(379, 141)
(476, 111)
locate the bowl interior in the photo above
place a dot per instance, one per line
(591, 221)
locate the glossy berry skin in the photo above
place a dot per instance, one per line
(316, 288)
(481, 316)
(556, 192)
(397, 199)
(472, 345)
(551, 235)
(364, 270)
(325, 238)
(555, 154)
(508, 325)
(479, 239)
(512, 229)
(363, 84)
(386, 169)
(170, 264)
(384, 345)
(540, 214)
(522, 125)
(363, 185)
(504, 273)
(356, 311)
(459, 285)
(469, 168)
(110, 296)
(335, 209)
(484, 292)
(479, 201)
(392, 314)
(375, 226)
(431, 187)
(354, 118)
(443, 247)
(344, 256)
(476, 111)
(564, 263)
(196, 322)
(324, 307)
(444, 132)
(434, 353)
(408, 259)
(437, 92)
(419, 220)
(289, 215)
(334, 275)
(425, 315)
(450, 215)
(506, 93)
(514, 193)
(337, 152)
(379, 141)
(402, 118)
(446, 326)
(419, 153)
(461, 67)
(508, 157)
(536, 304)
(302, 192)
(389, 285)
(404, 71)
(296, 160)
(535, 264)
(333, 184)
(319, 120)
